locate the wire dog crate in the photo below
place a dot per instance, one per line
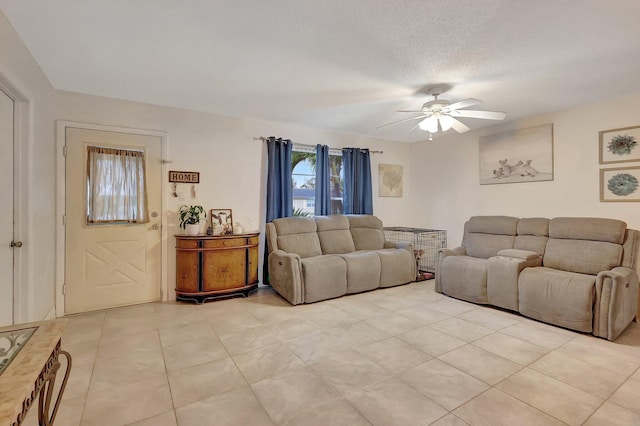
(425, 242)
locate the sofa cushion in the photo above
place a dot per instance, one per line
(465, 278)
(557, 297)
(584, 257)
(538, 226)
(366, 231)
(533, 234)
(294, 225)
(500, 225)
(531, 243)
(363, 271)
(397, 266)
(584, 245)
(323, 277)
(485, 236)
(334, 234)
(485, 246)
(298, 235)
(586, 228)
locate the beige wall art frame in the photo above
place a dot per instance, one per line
(620, 145)
(389, 180)
(524, 155)
(620, 184)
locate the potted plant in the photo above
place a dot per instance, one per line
(190, 218)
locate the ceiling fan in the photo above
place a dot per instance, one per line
(443, 114)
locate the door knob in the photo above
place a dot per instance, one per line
(17, 244)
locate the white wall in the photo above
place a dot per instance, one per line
(36, 200)
(444, 173)
(230, 161)
(440, 178)
(222, 149)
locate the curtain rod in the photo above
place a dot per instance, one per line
(262, 138)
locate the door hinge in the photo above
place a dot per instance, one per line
(64, 220)
(64, 150)
(64, 289)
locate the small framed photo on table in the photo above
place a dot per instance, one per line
(221, 222)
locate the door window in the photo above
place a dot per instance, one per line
(116, 186)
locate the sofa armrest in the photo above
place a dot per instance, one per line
(285, 275)
(503, 273)
(616, 303)
(442, 254)
(271, 239)
(398, 245)
(519, 254)
(458, 251)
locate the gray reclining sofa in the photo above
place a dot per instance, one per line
(313, 259)
(577, 273)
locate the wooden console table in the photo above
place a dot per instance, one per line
(212, 267)
(31, 372)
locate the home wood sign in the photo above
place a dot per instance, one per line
(184, 177)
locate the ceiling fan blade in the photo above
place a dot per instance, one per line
(462, 104)
(458, 126)
(402, 121)
(487, 115)
(410, 110)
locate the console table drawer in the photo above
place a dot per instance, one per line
(225, 242)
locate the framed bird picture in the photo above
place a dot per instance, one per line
(221, 221)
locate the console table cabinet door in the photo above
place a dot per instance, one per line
(187, 266)
(224, 269)
(209, 267)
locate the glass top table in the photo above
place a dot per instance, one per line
(29, 364)
(10, 344)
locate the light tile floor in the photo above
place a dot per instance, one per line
(399, 356)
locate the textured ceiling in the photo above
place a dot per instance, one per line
(344, 65)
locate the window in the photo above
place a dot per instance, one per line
(303, 170)
(116, 186)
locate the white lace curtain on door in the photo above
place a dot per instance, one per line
(116, 186)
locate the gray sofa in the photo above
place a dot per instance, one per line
(577, 273)
(313, 259)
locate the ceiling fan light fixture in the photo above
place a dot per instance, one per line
(429, 124)
(445, 122)
(440, 114)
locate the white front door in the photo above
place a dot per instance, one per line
(110, 265)
(6, 210)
